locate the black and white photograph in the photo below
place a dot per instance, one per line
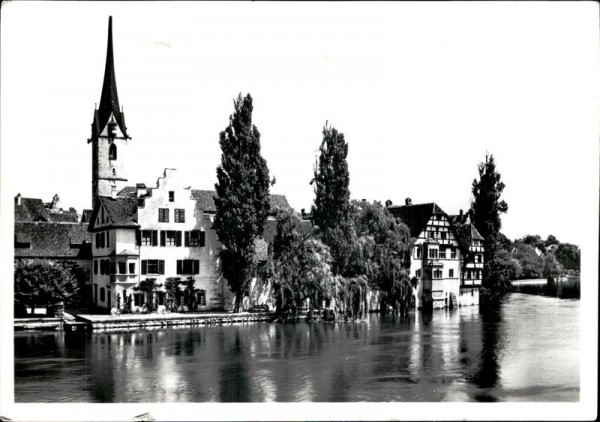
(299, 210)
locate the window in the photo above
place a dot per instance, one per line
(443, 253)
(188, 266)
(437, 273)
(453, 253)
(112, 152)
(433, 253)
(418, 251)
(418, 274)
(147, 237)
(478, 275)
(438, 217)
(179, 215)
(122, 267)
(96, 267)
(201, 297)
(170, 238)
(102, 294)
(132, 268)
(95, 293)
(138, 299)
(141, 202)
(443, 235)
(431, 234)
(195, 238)
(97, 240)
(478, 259)
(469, 275)
(163, 215)
(107, 239)
(153, 266)
(171, 196)
(451, 273)
(113, 268)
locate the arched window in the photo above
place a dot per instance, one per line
(112, 152)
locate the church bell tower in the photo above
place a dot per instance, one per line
(109, 134)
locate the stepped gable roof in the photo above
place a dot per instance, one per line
(416, 216)
(109, 99)
(121, 211)
(31, 209)
(52, 240)
(205, 201)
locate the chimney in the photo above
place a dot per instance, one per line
(388, 203)
(55, 202)
(18, 199)
(303, 212)
(408, 201)
(460, 214)
(363, 200)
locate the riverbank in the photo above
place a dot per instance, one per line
(566, 289)
(142, 321)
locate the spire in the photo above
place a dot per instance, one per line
(109, 99)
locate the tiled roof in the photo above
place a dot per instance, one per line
(65, 217)
(416, 216)
(31, 209)
(53, 240)
(86, 216)
(205, 201)
(127, 192)
(121, 211)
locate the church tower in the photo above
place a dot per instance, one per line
(109, 134)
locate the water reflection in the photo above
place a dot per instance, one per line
(461, 355)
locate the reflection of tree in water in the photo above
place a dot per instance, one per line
(234, 385)
(487, 373)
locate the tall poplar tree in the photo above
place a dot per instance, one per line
(331, 210)
(242, 201)
(487, 208)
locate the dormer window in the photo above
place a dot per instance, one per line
(112, 152)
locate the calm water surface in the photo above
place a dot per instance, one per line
(526, 351)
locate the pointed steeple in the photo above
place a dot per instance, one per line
(109, 99)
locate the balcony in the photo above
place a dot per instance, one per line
(124, 279)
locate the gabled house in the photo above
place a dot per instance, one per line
(435, 259)
(471, 245)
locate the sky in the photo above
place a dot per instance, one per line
(421, 91)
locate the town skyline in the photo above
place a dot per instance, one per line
(420, 134)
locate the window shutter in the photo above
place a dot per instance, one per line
(178, 238)
(162, 238)
(182, 215)
(144, 266)
(196, 266)
(179, 266)
(187, 239)
(202, 238)
(161, 267)
(154, 237)
(113, 267)
(138, 237)
(107, 239)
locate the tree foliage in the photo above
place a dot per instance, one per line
(42, 283)
(486, 209)
(569, 256)
(532, 264)
(302, 265)
(382, 253)
(331, 210)
(242, 201)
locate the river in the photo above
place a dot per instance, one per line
(527, 350)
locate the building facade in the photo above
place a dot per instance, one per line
(436, 260)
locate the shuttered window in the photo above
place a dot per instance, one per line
(188, 266)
